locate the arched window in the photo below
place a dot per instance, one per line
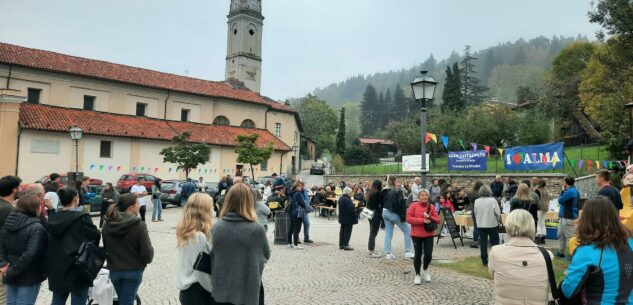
(248, 124)
(221, 120)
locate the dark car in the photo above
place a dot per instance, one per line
(317, 168)
(170, 192)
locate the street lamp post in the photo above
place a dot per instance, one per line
(75, 135)
(423, 88)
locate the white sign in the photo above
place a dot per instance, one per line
(413, 163)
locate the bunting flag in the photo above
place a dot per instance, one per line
(597, 164)
(118, 168)
(110, 168)
(604, 163)
(580, 162)
(430, 137)
(92, 166)
(572, 162)
(142, 168)
(461, 142)
(555, 160)
(589, 164)
(445, 141)
(487, 148)
(610, 165)
(205, 171)
(101, 167)
(500, 151)
(155, 170)
(169, 170)
(474, 146)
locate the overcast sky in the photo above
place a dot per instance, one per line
(306, 44)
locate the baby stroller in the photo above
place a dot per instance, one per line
(102, 292)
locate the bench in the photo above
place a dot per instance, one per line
(318, 209)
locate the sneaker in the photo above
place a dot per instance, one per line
(374, 255)
(558, 254)
(348, 248)
(408, 255)
(298, 247)
(474, 246)
(390, 256)
(427, 276)
(308, 241)
(417, 280)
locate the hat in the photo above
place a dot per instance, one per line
(347, 190)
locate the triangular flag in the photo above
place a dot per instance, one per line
(445, 142)
(169, 170)
(500, 151)
(487, 148)
(474, 146)
(572, 162)
(604, 163)
(101, 167)
(610, 165)
(461, 142)
(205, 170)
(155, 169)
(434, 137)
(580, 162)
(588, 164)
(110, 168)
(597, 164)
(555, 160)
(92, 166)
(428, 137)
(118, 168)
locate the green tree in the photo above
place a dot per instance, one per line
(492, 124)
(338, 164)
(186, 155)
(359, 155)
(319, 121)
(505, 79)
(452, 95)
(352, 122)
(400, 106)
(340, 134)
(388, 106)
(525, 94)
(248, 152)
(370, 109)
(472, 91)
(406, 135)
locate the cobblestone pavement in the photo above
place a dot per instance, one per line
(322, 274)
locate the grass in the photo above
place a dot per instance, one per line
(495, 165)
(472, 266)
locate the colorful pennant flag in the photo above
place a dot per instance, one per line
(92, 166)
(142, 168)
(169, 170)
(155, 170)
(109, 168)
(445, 141)
(604, 163)
(487, 148)
(610, 165)
(461, 143)
(474, 146)
(430, 137)
(118, 168)
(580, 162)
(555, 160)
(572, 163)
(101, 167)
(500, 151)
(589, 164)
(597, 164)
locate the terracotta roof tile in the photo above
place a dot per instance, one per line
(58, 119)
(375, 141)
(67, 64)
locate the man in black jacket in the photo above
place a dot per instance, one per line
(347, 217)
(9, 187)
(394, 213)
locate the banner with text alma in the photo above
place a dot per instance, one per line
(534, 157)
(413, 163)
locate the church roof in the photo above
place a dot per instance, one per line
(103, 70)
(59, 119)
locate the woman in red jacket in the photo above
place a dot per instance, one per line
(418, 214)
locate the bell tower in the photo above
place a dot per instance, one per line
(244, 43)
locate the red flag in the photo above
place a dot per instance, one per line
(118, 168)
(487, 148)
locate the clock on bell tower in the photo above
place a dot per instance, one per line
(244, 43)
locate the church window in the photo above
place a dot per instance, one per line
(235, 32)
(251, 32)
(221, 121)
(248, 124)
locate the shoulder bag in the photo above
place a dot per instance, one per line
(551, 276)
(367, 213)
(204, 262)
(90, 258)
(431, 226)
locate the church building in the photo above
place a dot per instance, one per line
(129, 114)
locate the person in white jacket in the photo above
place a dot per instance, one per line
(193, 234)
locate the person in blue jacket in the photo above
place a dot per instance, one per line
(567, 213)
(602, 264)
(306, 219)
(297, 212)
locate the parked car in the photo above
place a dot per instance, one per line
(64, 180)
(170, 192)
(317, 168)
(126, 182)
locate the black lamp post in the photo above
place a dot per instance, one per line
(423, 91)
(75, 135)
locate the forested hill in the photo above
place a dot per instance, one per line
(501, 68)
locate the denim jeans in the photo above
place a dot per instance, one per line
(306, 226)
(22, 295)
(157, 212)
(126, 283)
(392, 219)
(77, 297)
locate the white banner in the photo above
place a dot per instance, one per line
(413, 163)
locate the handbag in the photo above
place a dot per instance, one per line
(551, 276)
(502, 227)
(431, 226)
(367, 213)
(89, 260)
(204, 262)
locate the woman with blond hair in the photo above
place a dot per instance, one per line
(193, 234)
(240, 250)
(523, 200)
(518, 267)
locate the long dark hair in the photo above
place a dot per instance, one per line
(108, 193)
(125, 201)
(375, 188)
(600, 225)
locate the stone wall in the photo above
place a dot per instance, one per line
(554, 181)
(587, 186)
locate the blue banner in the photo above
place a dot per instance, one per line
(534, 157)
(474, 160)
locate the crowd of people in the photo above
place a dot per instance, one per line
(44, 228)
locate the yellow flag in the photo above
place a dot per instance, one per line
(433, 137)
(500, 151)
(555, 160)
(597, 164)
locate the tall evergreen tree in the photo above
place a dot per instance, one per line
(340, 134)
(472, 92)
(388, 106)
(382, 116)
(399, 107)
(369, 108)
(452, 95)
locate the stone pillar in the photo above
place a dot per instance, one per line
(10, 101)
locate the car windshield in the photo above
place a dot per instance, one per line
(317, 164)
(168, 185)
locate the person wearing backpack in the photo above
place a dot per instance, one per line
(68, 229)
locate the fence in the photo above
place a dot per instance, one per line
(495, 164)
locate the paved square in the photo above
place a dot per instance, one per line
(322, 274)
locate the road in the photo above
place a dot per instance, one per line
(311, 180)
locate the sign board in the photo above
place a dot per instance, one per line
(413, 163)
(534, 157)
(474, 160)
(448, 221)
